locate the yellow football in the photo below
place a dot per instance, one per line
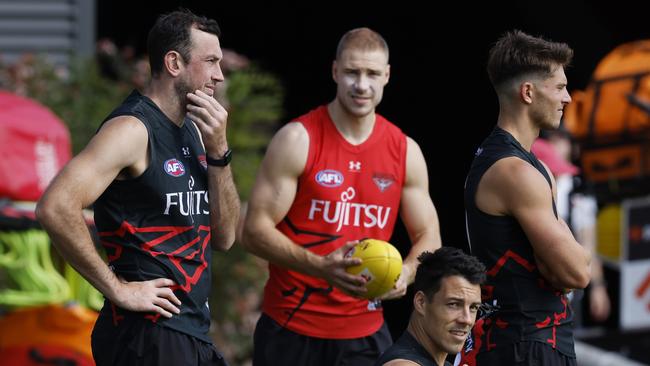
(381, 266)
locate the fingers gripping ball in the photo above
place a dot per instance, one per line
(381, 266)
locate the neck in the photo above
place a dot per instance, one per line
(519, 125)
(418, 332)
(354, 129)
(164, 95)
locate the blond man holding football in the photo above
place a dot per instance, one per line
(331, 177)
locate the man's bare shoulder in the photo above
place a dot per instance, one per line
(120, 143)
(288, 149)
(124, 124)
(510, 184)
(290, 140)
(292, 132)
(514, 173)
(401, 362)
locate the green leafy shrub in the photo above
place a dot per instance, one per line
(254, 99)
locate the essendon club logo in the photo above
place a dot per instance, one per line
(203, 161)
(174, 168)
(383, 181)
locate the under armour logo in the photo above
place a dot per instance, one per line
(355, 165)
(186, 151)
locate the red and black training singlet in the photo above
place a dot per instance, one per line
(158, 224)
(345, 193)
(521, 305)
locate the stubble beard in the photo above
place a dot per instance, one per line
(182, 88)
(348, 107)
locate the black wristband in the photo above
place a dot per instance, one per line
(224, 161)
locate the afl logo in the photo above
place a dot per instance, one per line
(174, 168)
(329, 178)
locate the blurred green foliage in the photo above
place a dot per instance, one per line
(254, 101)
(78, 94)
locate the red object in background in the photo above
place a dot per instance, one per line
(43, 355)
(47, 328)
(34, 146)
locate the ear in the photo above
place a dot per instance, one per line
(419, 302)
(387, 73)
(334, 70)
(526, 92)
(173, 63)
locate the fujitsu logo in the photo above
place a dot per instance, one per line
(188, 203)
(346, 213)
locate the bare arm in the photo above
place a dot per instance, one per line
(585, 232)
(271, 199)
(418, 215)
(599, 301)
(211, 119)
(120, 145)
(516, 188)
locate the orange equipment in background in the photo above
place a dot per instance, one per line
(50, 332)
(611, 118)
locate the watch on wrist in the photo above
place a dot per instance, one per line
(224, 161)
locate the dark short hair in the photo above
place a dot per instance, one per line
(517, 53)
(445, 262)
(364, 39)
(172, 32)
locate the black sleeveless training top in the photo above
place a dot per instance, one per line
(520, 305)
(158, 224)
(407, 348)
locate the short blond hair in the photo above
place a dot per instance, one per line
(364, 39)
